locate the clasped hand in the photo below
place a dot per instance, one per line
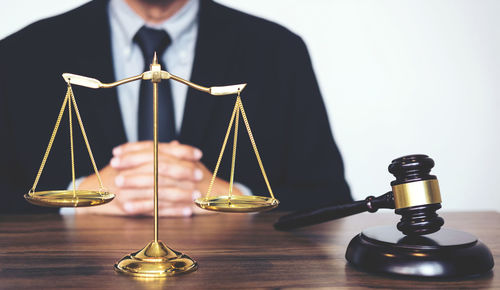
(129, 175)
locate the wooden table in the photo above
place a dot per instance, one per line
(233, 251)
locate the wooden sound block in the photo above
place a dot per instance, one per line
(447, 253)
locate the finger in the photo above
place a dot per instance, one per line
(132, 158)
(182, 184)
(171, 195)
(132, 146)
(134, 181)
(181, 151)
(139, 157)
(131, 195)
(143, 180)
(185, 211)
(138, 181)
(177, 195)
(167, 167)
(138, 207)
(180, 170)
(126, 181)
(173, 148)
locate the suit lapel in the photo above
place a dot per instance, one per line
(212, 66)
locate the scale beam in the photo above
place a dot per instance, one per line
(97, 84)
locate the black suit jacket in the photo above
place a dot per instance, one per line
(282, 101)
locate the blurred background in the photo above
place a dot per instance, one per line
(398, 77)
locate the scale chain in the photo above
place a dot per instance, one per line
(254, 145)
(71, 149)
(69, 98)
(238, 107)
(233, 161)
(209, 191)
(77, 113)
(51, 141)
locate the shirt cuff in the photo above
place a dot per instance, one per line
(243, 188)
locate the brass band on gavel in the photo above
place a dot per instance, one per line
(416, 193)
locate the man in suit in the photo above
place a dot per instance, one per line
(205, 42)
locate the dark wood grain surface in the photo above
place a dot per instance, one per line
(233, 251)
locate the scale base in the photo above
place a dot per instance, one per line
(237, 203)
(156, 260)
(444, 254)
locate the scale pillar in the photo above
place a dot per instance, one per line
(156, 259)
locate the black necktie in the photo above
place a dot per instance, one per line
(151, 41)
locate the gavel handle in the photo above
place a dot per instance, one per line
(316, 216)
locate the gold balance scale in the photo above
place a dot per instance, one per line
(156, 259)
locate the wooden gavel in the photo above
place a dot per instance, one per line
(415, 196)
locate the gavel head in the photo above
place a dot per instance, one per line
(416, 195)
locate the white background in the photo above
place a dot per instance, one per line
(398, 77)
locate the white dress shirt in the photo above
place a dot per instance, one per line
(128, 61)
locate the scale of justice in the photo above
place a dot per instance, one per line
(156, 259)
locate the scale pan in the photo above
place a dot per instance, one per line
(237, 203)
(69, 198)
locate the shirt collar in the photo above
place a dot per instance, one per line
(129, 22)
